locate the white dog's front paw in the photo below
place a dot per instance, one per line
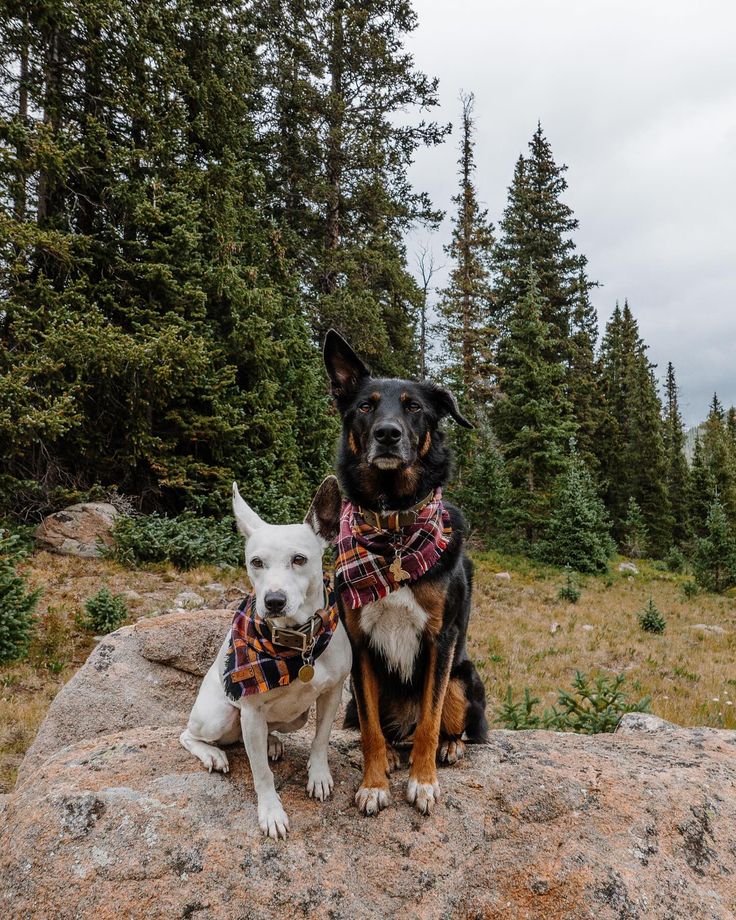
(275, 748)
(319, 784)
(215, 759)
(273, 820)
(371, 799)
(422, 796)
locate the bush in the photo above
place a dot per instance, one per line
(570, 591)
(17, 603)
(186, 541)
(675, 560)
(593, 706)
(104, 612)
(651, 620)
(690, 589)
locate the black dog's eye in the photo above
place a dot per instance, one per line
(256, 562)
(299, 559)
(366, 407)
(413, 406)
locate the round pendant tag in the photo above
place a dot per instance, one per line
(306, 673)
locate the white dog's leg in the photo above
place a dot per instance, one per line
(271, 815)
(319, 784)
(213, 718)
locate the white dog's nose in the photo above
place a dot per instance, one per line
(274, 601)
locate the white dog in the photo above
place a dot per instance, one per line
(285, 568)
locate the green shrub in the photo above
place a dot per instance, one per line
(675, 560)
(186, 541)
(690, 589)
(104, 612)
(651, 620)
(715, 555)
(570, 591)
(593, 706)
(17, 603)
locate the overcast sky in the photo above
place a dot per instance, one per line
(639, 99)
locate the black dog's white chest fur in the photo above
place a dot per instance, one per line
(394, 626)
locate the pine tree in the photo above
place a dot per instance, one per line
(702, 489)
(635, 534)
(466, 304)
(630, 444)
(337, 73)
(17, 603)
(677, 469)
(720, 457)
(715, 556)
(583, 385)
(578, 531)
(531, 417)
(537, 227)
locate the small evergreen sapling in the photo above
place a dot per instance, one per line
(651, 620)
(570, 591)
(17, 603)
(104, 612)
(675, 560)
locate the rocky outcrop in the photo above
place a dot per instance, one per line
(115, 819)
(78, 530)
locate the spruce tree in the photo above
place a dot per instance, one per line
(635, 540)
(537, 227)
(17, 603)
(715, 555)
(531, 416)
(720, 457)
(466, 305)
(630, 445)
(702, 489)
(578, 531)
(677, 469)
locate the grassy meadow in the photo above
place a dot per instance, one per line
(521, 635)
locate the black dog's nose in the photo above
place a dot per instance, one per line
(275, 601)
(387, 434)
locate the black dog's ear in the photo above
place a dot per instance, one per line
(345, 368)
(446, 404)
(324, 512)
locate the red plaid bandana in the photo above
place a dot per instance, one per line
(254, 664)
(367, 568)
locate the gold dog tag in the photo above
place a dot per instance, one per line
(398, 573)
(306, 673)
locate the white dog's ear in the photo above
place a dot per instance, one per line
(324, 512)
(245, 517)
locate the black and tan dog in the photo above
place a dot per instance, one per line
(411, 672)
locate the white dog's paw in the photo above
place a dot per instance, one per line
(273, 820)
(422, 796)
(319, 783)
(370, 799)
(275, 748)
(215, 759)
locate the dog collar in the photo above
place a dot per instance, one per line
(395, 520)
(301, 638)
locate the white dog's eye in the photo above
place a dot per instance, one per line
(256, 562)
(299, 559)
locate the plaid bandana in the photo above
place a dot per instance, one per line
(371, 562)
(254, 664)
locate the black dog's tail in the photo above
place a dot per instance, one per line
(476, 724)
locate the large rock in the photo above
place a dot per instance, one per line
(78, 530)
(631, 826)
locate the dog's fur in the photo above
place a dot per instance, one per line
(411, 672)
(288, 560)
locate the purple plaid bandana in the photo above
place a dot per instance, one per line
(371, 562)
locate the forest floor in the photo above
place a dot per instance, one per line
(521, 635)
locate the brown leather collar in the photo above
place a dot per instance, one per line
(395, 520)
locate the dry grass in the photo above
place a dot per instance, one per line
(691, 675)
(60, 647)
